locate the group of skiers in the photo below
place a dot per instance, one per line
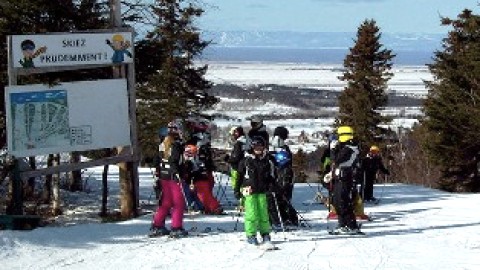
(185, 175)
(261, 176)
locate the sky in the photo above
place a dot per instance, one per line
(392, 16)
(412, 228)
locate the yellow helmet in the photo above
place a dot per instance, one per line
(345, 133)
(374, 149)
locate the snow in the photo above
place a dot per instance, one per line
(413, 228)
(407, 80)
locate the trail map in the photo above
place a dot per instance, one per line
(40, 119)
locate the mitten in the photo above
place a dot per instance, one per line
(328, 177)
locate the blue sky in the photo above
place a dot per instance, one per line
(392, 16)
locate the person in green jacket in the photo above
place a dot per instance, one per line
(255, 178)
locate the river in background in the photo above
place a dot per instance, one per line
(305, 55)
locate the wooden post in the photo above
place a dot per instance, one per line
(128, 171)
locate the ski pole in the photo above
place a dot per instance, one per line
(279, 216)
(298, 214)
(180, 183)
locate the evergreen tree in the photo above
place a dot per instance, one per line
(367, 71)
(452, 108)
(171, 85)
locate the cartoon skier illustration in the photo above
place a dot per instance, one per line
(29, 53)
(119, 46)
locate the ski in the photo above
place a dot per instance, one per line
(333, 232)
(192, 232)
(267, 246)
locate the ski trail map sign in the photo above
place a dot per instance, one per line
(68, 117)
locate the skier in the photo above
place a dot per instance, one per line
(258, 129)
(172, 198)
(196, 176)
(344, 168)
(327, 157)
(283, 185)
(200, 136)
(191, 174)
(238, 153)
(255, 177)
(371, 164)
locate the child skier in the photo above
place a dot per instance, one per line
(283, 185)
(195, 175)
(371, 164)
(172, 198)
(345, 166)
(238, 153)
(255, 177)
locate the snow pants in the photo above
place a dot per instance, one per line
(343, 194)
(172, 202)
(256, 214)
(205, 195)
(367, 186)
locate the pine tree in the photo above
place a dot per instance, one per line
(367, 71)
(452, 108)
(171, 85)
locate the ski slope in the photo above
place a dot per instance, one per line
(412, 228)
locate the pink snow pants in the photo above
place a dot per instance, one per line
(172, 199)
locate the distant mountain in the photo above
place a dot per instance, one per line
(320, 40)
(313, 47)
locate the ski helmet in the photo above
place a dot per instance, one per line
(190, 151)
(281, 132)
(256, 122)
(282, 157)
(257, 142)
(374, 149)
(345, 133)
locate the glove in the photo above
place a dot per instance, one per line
(246, 191)
(328, 177)
(237, 194)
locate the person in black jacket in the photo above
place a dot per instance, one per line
(258, 129)
(255, 178)
(371, 164)
(284, 182)
(172, 197)
(345, 166)
(238, 153)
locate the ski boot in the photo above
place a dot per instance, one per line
(158, 231)
(252, 240)
(267, 242)
(178, 233)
